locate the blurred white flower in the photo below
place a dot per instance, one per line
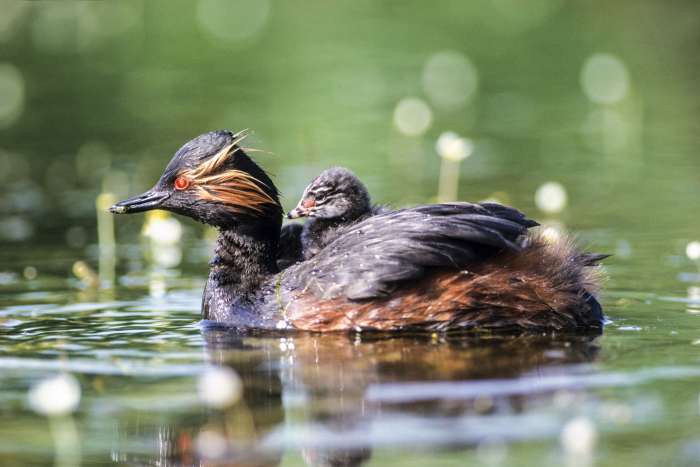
(692, 250)
(453, 147)
(161, 228)
(551, 197)
(56, 396)
(579, 436)
(219, 387)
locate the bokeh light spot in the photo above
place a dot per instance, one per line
(219, 387)
(412, 116)
(604, 79)
(232, 22)
(56, 396)
(15, 229)
(453, 147)
(551, 197)
(11, 94)
(211, 444)
(160, 227)
(450, 79)
(692, 250)
(623, 248)
(579, 436)
(30, 273)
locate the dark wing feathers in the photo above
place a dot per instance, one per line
(370, 258)
(506, 212)
(490, 209)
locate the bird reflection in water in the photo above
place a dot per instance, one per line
(337, 387)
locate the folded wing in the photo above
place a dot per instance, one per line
(372, 258)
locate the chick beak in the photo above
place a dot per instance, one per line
(303, 208)
(296, 213)
(147, 201)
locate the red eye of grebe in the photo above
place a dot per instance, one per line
(181, 183)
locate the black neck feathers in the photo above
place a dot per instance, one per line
(242, 261)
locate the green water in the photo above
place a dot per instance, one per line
(598, 96)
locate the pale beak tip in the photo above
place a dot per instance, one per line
(116, 209)
(296, 213)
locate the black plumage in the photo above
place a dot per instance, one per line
(371, 258)
(291, 249)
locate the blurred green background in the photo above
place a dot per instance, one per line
(599, 96)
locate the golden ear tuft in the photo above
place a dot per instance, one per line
(212, 164)
(237, 189)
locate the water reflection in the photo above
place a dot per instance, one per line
(335, 398)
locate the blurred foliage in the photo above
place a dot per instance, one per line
(112, 89)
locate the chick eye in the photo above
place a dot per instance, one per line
(320, 195)
(181, 183)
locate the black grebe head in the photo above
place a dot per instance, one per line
(336, 193)
(212, 180)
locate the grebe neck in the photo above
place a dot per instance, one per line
(242, 260)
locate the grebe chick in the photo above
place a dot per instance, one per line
(334, 200)
(441, 267)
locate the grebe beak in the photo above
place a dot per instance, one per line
(151, 199)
